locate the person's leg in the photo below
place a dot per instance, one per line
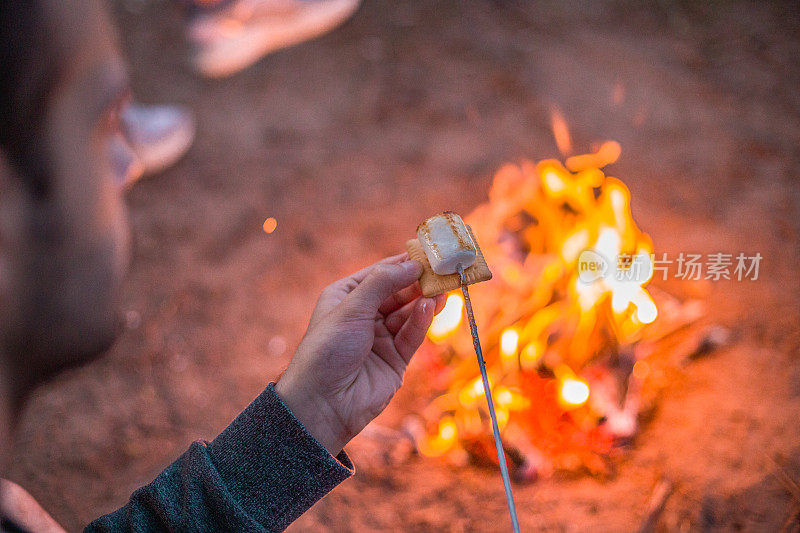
(152, 138)
(228, 36)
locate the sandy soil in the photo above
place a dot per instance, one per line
(408, 109)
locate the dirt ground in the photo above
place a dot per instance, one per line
(406, 110)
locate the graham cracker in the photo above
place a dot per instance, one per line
(433, 284)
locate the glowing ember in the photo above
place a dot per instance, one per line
(641, 369)
(444, 439)
(574, 392)
(569, 294)
(561, 132)
(270, 225)
(508, 342)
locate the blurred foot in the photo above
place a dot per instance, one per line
(125, 166)
(157, 136)
(235, 37)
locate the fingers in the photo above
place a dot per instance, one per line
(399, 299)
(396, 319)
(412, 333)
(334, 293)
(440, 300)
(380, 283)
(361, 275)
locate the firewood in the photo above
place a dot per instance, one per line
(658, 499)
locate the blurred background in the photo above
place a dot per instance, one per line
(348, 142)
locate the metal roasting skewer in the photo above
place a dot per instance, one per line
(501, 456)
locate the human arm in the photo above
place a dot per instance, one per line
(277, 457)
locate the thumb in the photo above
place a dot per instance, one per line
(381, 282)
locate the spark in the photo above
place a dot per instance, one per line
(269, 225)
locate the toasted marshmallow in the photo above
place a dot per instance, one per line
(446, 242)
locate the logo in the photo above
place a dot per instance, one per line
(591, 266)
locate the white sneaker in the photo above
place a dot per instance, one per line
(237, 36)
(125, 165)
(159, 135)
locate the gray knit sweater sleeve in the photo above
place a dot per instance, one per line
(261, 473)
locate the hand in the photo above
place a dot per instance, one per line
(360, 338)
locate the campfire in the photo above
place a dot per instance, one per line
(571, 331)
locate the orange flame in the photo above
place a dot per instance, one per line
(607, 154)
(544, 317)
(448, 319)
(560, 132)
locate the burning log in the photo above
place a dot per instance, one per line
(658, 499)
(792, 522)
(379, 446)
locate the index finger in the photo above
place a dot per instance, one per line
(336, 291)
(348, 283)
(381, 282)
(364, 272)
